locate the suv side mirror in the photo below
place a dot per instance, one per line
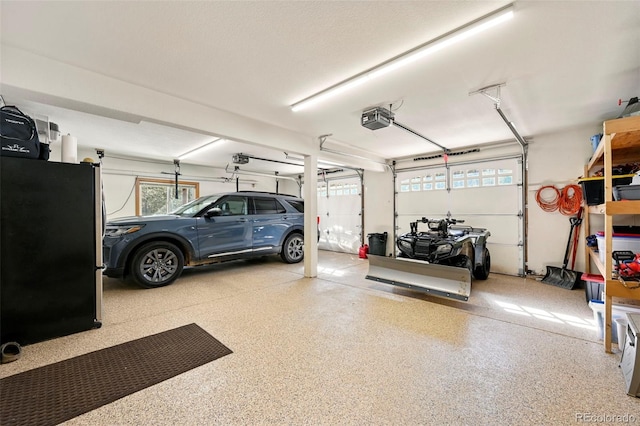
(216, 211)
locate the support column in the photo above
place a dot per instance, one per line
(310, 195)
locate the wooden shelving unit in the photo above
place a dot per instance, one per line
(620, 144)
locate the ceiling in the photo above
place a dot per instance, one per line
(565, 65)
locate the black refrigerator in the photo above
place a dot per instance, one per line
(50, 249)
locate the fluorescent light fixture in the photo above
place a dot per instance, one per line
(452, 37)
(199, 149)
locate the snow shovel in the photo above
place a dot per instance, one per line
(563, 277)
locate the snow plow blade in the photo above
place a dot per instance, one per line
(437, 280)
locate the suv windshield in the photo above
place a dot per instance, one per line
(195, 206)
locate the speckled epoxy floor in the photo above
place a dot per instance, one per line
(339, 349)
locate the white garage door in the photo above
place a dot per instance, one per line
(484, 194)
(340, 214)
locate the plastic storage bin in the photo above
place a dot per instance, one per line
(626, 229)
(619, 242)
(617, 312)
(595, 141)
(593, 286)
(626, 192)
(593, 187)
(378, 244)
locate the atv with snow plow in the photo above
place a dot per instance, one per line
(439, 261)
(447, 243)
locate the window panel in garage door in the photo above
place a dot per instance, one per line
(421, 193)
(485, 194)
(339, 209)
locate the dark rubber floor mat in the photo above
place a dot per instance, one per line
(61, 391)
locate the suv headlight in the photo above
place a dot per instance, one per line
(118, 231)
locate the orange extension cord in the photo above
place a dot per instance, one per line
(548, 204)
(568, 201)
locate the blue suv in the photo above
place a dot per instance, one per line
(153, 250)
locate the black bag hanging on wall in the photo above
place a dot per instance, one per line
(18, 134)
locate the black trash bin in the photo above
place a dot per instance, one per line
(378, 244)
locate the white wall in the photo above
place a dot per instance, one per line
(378, 205)
(559, 160)
(119, 177)
(555, 159)
(287, 186)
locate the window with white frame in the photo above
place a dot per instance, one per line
(405, 185)
(427, 182)
(416, 183)
(322, 189)
(458, 179)
(440, 180)
(505, 177)
(337, 189)
(474, 177)
(488, 177)
(158, 196)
